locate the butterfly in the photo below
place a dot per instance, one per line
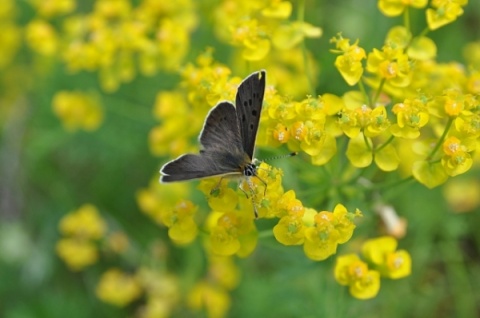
(227, 139)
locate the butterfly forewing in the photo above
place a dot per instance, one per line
(248, 105)
(220, 131)
(222, 151)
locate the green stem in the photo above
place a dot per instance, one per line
(385, 143)
(366, 142)
(387, 185)
(364, 92)
(265, 234)
(406, 19)
(306, 64)
(377, 93)
(440, 141)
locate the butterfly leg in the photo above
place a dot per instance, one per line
(215, 189)
(250, 185)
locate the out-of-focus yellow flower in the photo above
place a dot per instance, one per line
(85, 223)
(10, 37)
(42, 37)
(214, 300)
(118, 288)
(182, 228)
(224, 272)
(290, 35)
(392, 8)
(444, 12)
(349, 64)
(351, 271)
(462, 194)
(118, 242)
(162, 291)
(50, 8)
(77, 253)
(233, 233)
(77, 110)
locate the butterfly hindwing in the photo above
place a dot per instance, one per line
(191, 166)
(248, 105)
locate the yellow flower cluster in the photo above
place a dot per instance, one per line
(255, 26)
(166, 204)
(319, 232)
(210, 295)
(118, 288)
(77, 110)
(382, 260)
(81, 228)
(115, 37)
(414, 98)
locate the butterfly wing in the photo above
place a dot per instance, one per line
(222, 153)
(220, 131)
(248, 104)
(190, 166)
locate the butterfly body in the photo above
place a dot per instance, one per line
(227, 138)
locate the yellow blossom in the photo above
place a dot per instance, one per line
(77, 110)
(42, 37)
(392, 8)
(211, 299)
(85, 222)
(118, 288)
(444, 12)
(290, 230)
(351, 271)
(77, 253)
(382, 253)
(457, 158)
(349, 63)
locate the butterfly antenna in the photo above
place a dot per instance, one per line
(292, 154)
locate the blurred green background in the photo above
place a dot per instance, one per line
(46, 172)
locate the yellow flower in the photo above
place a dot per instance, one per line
(444, 12)
(42, 37)
(349, 63)
(182, 228)
(457, 159)
(392, 8)
(223, 271)
(321, 240)
(77, 110)
(50, 8)
(209, 298)
(390, 263)
(118, 288)
(77, 253)
(118, 242)
(411, 115)
(290, 230)
(390, 64)
(351, 271)
(232, 233)
(462, 194)
(85, 223)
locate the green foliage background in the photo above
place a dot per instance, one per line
(47, 172)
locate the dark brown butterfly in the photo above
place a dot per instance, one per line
(227, 138)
